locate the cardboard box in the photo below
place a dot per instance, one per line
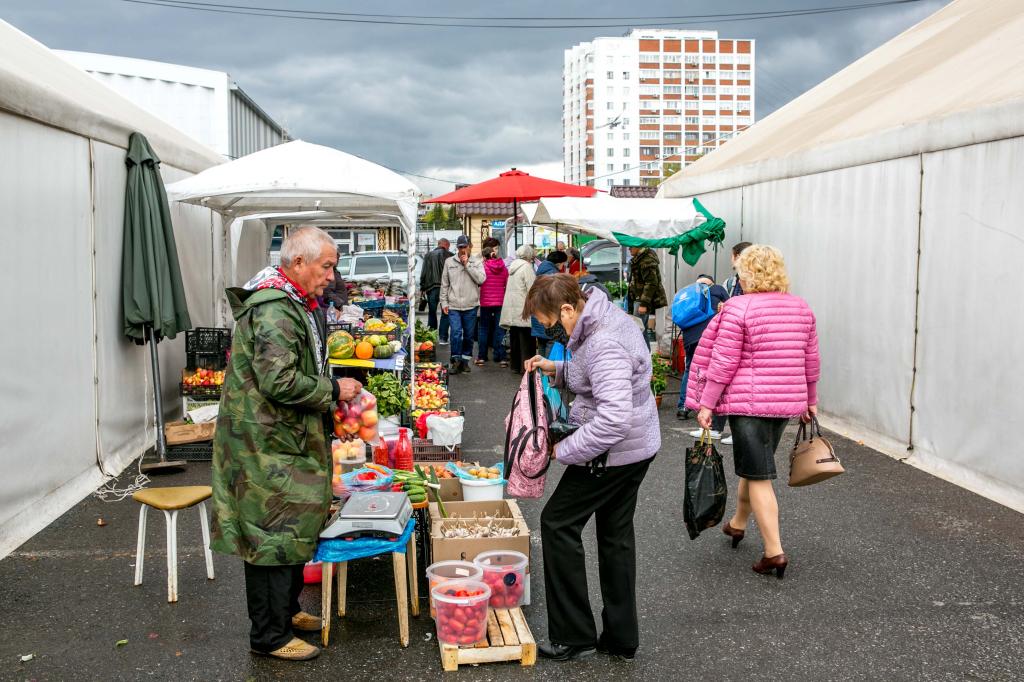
(451, 489)
(179, 433)
(467, 548)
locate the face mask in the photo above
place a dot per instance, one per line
(556, 332)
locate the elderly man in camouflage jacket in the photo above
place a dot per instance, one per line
(646, 292)
(271, 454)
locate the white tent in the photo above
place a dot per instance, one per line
(602, 216)
(894, 190)
(308, 179)
(78, 395)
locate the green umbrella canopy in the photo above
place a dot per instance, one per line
(151, 278)
(691, 243)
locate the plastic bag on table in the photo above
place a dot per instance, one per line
(706, 491)
(445, 431)
(463, 472)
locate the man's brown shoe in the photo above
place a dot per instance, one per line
(295, 650)
(306, 622)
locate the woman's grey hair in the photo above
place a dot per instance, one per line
(305, 243)
(526, 252)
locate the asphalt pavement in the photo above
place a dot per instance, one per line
(894, 575)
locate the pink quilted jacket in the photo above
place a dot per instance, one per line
(758, 357)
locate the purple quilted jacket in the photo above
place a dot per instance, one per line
(758, 357)
(610, 373)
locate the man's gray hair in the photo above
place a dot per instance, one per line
(306, 243)
(526, 252)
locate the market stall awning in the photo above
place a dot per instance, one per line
(679, 225)
(513, 186)
(298, 177)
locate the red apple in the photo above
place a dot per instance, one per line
(355, 411)
(339, 431)
(342, 410)
(350, 425)
(367, 401)
(370, 418)
(368, 433)
(338, 416)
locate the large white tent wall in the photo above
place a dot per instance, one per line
(76, 400)
(894, 191)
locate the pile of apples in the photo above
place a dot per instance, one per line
(431, 396)
(357, 418)
(428, 376)
(204, 377)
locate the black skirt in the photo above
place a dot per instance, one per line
(754, 441)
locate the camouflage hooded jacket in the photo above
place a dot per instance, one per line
(645, 281)
(271, 474)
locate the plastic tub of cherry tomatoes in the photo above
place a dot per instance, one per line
(505, 575)
(461, 607)
(442, 572)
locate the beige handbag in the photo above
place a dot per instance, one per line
(813, 459)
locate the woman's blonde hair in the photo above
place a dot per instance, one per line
(761, 269)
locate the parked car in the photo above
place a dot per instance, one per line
(606, 260)
(367, 266)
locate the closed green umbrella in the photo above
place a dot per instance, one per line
(152, 292)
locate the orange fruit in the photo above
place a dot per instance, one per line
(364, 351)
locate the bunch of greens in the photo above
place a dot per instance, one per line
(617, 290)
(425, 333)
(392, 396)
(659, 374)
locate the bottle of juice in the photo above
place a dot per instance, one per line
(403, 451)
(380, 453)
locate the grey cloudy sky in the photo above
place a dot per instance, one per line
(452, 103)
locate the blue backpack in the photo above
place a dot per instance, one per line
(692, 305)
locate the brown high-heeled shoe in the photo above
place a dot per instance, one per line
(776, 563)
(735, 533)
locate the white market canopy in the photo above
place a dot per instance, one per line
(604, 216)
(298, 177)
(304, 180)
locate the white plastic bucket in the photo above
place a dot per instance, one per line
(480, 491)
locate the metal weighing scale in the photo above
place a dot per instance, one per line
(370, 515)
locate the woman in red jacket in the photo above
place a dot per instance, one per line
(758, 363)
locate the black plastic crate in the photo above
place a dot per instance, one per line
(338, 327)
(192, 452)
(207, 347)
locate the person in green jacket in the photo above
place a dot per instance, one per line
(646, 292)
(271, 453)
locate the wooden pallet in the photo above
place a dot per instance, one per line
(508, 639)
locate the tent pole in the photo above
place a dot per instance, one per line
(716, 262)
(515, 220)
(161, 441)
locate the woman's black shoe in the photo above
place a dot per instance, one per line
(560, 652)
(624, 654)
(683, 414)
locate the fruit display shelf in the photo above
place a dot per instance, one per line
(393, 364)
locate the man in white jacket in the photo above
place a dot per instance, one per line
(460, 299)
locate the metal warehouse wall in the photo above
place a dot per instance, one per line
(948, 398)
(250, 132)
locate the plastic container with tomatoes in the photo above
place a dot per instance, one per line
(505, 574)
(461, 607)
(441, 572)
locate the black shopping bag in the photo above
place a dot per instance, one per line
(706, 492)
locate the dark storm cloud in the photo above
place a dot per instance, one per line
(458, 103)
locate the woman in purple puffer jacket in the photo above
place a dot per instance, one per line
(606, 460)
(758, 363)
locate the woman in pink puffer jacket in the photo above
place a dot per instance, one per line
(758, 363)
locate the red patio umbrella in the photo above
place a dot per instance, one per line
(515, 186)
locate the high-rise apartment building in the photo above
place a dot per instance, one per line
(635, 109)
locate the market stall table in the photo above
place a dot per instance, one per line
(340, 552)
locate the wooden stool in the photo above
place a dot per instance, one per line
(405, 569)
(170, 501)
